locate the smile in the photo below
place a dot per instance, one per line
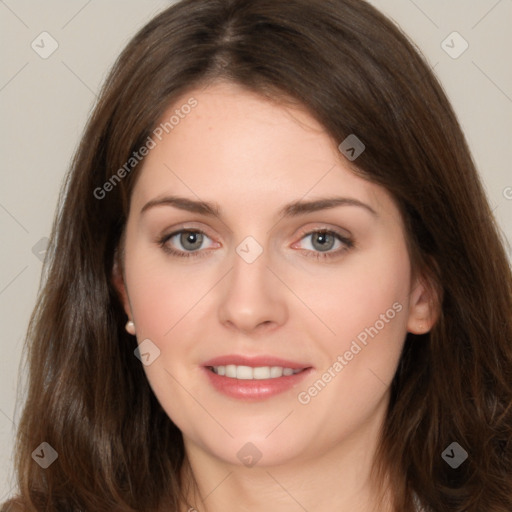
(254, 373)
(254, 377)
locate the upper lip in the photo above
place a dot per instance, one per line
(254, 361)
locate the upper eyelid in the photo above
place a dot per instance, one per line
(175, 232)
(180, 229)
(338, 231)
(344, 239)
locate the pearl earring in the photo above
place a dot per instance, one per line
(130, 327)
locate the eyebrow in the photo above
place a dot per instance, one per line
(293, 209)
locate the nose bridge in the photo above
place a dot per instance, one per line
(250, 273)
(251, 297)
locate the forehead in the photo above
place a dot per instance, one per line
(238, 148)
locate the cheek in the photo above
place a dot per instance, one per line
(161, 292)
(362, 291)
(366, 305)
(166, 301)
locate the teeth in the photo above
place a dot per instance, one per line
(276, 371)
(262, 372)
(249, 373)
(244, 372)
(230, 371)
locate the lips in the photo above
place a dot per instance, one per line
(255, 361)
(254, 378)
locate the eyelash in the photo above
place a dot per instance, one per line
(318, 255)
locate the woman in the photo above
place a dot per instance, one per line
(274, 281)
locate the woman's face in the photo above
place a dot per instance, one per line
(295, 262)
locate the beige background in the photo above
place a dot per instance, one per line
(45, 103)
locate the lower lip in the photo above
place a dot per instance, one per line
(254, 389)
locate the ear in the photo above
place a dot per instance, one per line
(424, 306)
(119, 284)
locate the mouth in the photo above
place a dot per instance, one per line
(254, 378)
(242, 372)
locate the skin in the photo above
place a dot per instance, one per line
(253, 156)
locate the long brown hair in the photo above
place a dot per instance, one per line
(88, 396)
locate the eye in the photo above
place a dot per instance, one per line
(324, 243)
(188, 241)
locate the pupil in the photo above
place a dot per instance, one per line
(191, 240)
(323, 241)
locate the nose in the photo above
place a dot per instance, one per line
(253, 299)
